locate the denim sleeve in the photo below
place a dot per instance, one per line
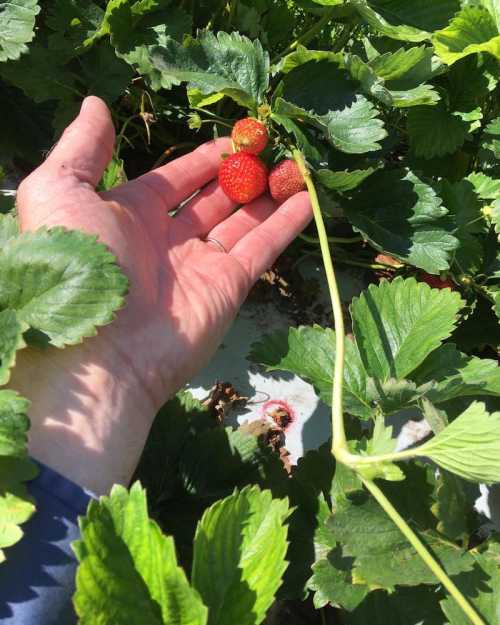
(38, 579)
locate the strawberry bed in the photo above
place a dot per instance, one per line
(386, 112)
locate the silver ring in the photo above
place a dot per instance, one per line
(217, 244)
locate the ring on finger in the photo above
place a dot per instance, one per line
(216, 243)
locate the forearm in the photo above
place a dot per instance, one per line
(90, 416)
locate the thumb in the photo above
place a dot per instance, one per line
(86, 146)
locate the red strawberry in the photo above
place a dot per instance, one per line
(285, 180)
(243, 177)
(435, 282)
(249, 135)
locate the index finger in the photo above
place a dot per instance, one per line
(176, 181)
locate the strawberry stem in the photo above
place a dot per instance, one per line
(339, 442)
(340, 448)
(422, 551)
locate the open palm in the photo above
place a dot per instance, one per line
(184, 291)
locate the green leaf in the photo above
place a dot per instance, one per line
(342, 181)
(376, 87)
(458, 375)
(104, 74)
(114, 174)
(332, 582)
(220, 459)
(487, 188)
(9, 228)
(434, 131)
(371, 84)
(493, 128)
(120, 18)
(473, 30)
(405, 606)
(309, 486)
(394, 65)
(62, 283)
(14, 424)
(436, 418)
(72, 23)
(469, 446)
(429, 67)
(11, 339)
(327, 97)
(404, 20)
(461, 200)
(377, 21)
(356, 129)
(16, 506)
(464, 205)
(382, 442)
(128, 570)
(398, 324)
(402, 216)
(41, 74)
(309, 352)
(137, 46)
(344, 484)
(304, 141)
(421, 95)
(225, 63)
(391, 395)
(453, 507)
(239, 556)
(17, 27)
(481, 587)
(382, 555)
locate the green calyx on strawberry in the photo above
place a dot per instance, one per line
(249, 135)
(285, 180)
(243, 177)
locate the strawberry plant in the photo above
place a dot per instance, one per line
(387, 113)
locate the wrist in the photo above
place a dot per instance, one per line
(90, 414)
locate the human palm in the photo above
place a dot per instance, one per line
(184, 290)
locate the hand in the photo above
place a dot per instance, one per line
(93, 404)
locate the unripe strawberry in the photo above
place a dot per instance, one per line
(243, 177)
(435, 282)
(285, 180)
(249, 135)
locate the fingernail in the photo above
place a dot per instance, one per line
(85, 104)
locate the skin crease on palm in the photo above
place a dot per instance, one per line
(93, 404)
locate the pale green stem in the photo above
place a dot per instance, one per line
(347, 240)
(339, 444)
(355, 461)
(422, 551)
(339, 441)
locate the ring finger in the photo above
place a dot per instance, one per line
(227, 233)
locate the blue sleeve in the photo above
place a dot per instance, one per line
(38, 579)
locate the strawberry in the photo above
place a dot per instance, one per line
(243, 177)
(285, 180)
(249, 135)
(435, 282)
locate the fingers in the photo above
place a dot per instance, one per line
(238, 225)
(257, 251)
(179, 179)
(206, 210)
(86, 146)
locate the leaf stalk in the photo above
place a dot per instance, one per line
(339, 442)
(422, 551)
(340, 447)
